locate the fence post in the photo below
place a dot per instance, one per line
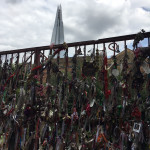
(37, 59)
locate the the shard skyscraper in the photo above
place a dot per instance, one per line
(58, 30)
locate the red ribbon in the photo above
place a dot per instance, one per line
(85, 93)
(10, 112)
(88, 110)
(84, 77)
(137, 52)
(57, 51)
(36, 68)
(67, 61)
(10, 77)
(8, 80)
(136, 113)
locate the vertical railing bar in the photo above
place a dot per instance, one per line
(93, 50)
(11, 60)
(0, 64)
(114, 48)
(66, 59)
(75, 50)
(75, 60)
(22, 60)
(104, 48)
(42, 61)
(37, 57)
(125, 46)
(104, 52)
(24, 66)
(50, 52)
(31, 62)
(0, 61)
(17, 70)
(84, 52)
(43, 55)
(39, 52)
(0, 69)
(5, 57)
(2, 73)
(21, 71)
(125, 66)
(24, 56)
(58, 57)
(18, 59)
(125, 43)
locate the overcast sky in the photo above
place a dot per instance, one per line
(29, 23)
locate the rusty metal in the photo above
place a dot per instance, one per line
(43, 56)
(25, 68)
(115, 47)
(82, 43)
(37, 58)
(66, 61)
(31, 61)
(84, 53)
(93, 50)
(11, 59)
(17, 59)
(58, 56)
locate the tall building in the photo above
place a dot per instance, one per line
(58, 30)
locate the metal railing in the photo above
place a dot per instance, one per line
(38, 55)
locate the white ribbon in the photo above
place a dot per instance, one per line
(97, 133)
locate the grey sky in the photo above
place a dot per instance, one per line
(28, 23)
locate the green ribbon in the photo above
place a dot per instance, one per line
(119, 109)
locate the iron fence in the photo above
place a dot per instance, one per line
(37, 55)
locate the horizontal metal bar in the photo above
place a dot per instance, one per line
(82, 43)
